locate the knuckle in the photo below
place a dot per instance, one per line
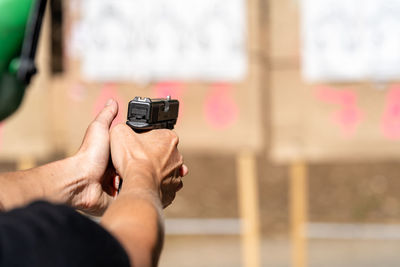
(169, 136)
(115, 130)
(180, 160)
(119, 127)
(165, 132)
(95, 124)
(109, 112)
(174, 137)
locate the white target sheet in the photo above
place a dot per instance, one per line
(351, 40)
(152, 40)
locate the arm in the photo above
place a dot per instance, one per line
(55, 181)
(135, 217)
(85, 180)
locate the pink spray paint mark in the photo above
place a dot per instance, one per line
(390, 123)
(77, 92)
(349, 116)
(109, 91)
(221, 110)
(173, 89)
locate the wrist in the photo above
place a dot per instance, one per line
(139, 176)
(71, 177)
(53, 181)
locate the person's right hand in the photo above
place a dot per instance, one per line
(148, 160)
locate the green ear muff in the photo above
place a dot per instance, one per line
(11, 94)
(14, 16)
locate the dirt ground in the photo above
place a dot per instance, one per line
(361, 192)
(357, 192)
(224, 251)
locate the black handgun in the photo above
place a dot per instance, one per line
(145, 114)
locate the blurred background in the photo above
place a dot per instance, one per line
(289, 119)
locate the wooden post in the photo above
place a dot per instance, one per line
(249, 209)
(298, 212)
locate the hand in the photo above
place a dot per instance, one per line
(148, 160)
(100, 183)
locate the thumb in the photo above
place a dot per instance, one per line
(108, 113)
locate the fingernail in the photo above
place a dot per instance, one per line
(116, 183)
(109, 102)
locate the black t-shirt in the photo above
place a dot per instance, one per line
(43, 234)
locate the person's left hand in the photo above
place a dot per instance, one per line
(100, 181)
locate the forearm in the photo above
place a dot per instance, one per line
(135, 219)
(53, 182)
